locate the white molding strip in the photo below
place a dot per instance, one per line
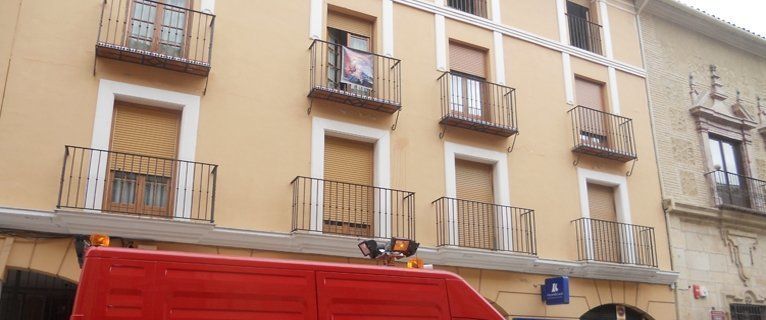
(496, 13)
(603, 12)
(144, 228)
(499, 57)
(614, 93)
(108, 92)
(566, 60)
(521, 35)
(441, 42)
(316, 19)
(387, 19)
(561, 18)
(207, 6)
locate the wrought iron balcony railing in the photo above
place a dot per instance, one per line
(738, 191)
(488, 226)
(584, 34)
(608, 241)
(107, 181)
(352, 209)
(475, 104)
(474, 7)
(156, 33)
(602, 134)
(358, 78)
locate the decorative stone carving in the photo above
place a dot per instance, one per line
(683, 151)
(741, 251)
(746, 297)
(710, 110)
(689, 183)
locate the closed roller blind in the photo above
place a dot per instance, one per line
(589, 94)
(601, 202)
(349, 23)
(144, 131)
(474, 181)
(348, 209)
(467, 60)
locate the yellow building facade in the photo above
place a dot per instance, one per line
(502, 135)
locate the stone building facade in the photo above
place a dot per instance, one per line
(705, 80)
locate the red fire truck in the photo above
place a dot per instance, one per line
(119, 283)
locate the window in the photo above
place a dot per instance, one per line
(349, 205)
(590, 94)
(468, 71)
(351, 32)
(141, 167)
(747, 312)
(605, 233)
(730, 183)
(158, 27)
(583, 32)
(476, 217)
(474, 7)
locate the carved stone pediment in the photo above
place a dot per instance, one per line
(742, 246)
(712, 109)
(746, 297)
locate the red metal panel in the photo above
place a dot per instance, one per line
(120, 289)
(466, 303)
(352, 296)
(205, 291)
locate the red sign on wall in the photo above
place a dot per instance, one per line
(717, 315)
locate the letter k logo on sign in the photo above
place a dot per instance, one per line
(554, 287)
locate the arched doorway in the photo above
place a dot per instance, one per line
(30, 295)
(609, 312)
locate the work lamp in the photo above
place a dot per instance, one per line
(370, 248)
(404, 246)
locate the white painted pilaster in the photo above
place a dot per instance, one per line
(499, 57)
(441, 43)
(316, 19)
(561, 9)
(387, 20)
(603, 13)
(495, 7)
(568, 78)
(207, 6)
(614, 98)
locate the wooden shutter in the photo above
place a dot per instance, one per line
(474, 181)
(348, 207)
(476, 220)
(601, 202)
(589, 94)
(349, 23)
(144, 131)
(468, 60)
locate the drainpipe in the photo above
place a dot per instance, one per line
(650, 104)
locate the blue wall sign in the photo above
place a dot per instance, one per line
(556, 291)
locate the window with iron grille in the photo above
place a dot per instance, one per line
(748, 312)
(474, 7)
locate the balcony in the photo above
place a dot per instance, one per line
(735, 191)
(474, 7)
(584, 34)
(602, 134)
(488, 226)
(333, 207)
(615, 242)
(474, 104)
(100, 181)
(156, 34)
(353, 77)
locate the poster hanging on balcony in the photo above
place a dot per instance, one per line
(357, 68)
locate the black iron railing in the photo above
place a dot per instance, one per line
(475, 104)
(482, 225)
(352, 209)
(109, 181)
(739, 191)
(608, 241)
(474, 7)
(602, 134)
(157, 34)
(355, 77)
(584, 34)
(741, 311)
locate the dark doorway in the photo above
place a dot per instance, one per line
(28, 295)
(609, 312)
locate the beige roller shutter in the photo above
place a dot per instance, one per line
(474, 181)
(349, 206)
(340, 21)
(144, 131)
(601, 202)
(467, 60)
(589, 94)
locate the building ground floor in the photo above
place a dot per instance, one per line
(40, 273)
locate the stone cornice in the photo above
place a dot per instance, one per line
(68, 222)
(726, 216)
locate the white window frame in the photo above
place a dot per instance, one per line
(320, 128)
(622, 205)
(500, 184)
(108, 92)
